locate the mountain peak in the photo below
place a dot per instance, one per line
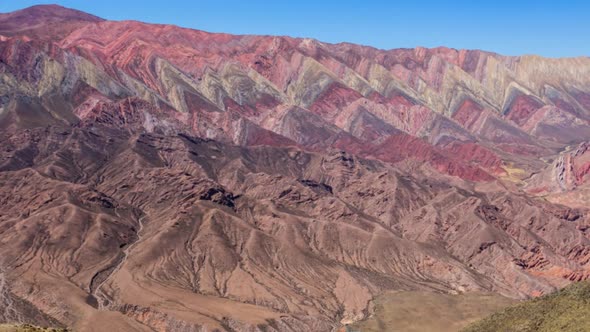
(50, 11)
(35, 19)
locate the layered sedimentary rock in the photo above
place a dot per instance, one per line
(160, 178)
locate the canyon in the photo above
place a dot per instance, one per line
(158, 178)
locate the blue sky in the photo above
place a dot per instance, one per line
(548, 28)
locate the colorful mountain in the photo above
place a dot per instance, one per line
(154, 177)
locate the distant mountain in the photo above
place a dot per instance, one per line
(160, 178)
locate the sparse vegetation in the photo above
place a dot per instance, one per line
(429, 311)
(514, 173)
(566, 310)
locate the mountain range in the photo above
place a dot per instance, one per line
(154, 177)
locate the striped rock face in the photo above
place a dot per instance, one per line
(160, 178)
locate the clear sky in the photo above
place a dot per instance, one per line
(548, 28)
